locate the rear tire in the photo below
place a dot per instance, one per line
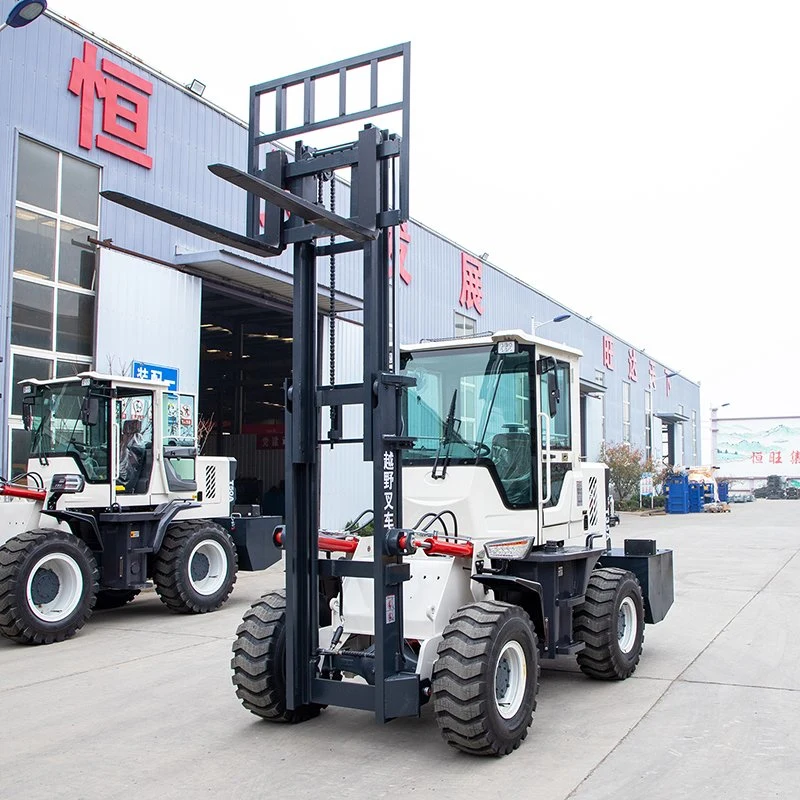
(611, 623)
(48, 584)
(259, 662)
(486, 678)
(114, 598)
(195, 569)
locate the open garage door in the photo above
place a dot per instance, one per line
(245, 356)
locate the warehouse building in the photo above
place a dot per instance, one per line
(89, 284)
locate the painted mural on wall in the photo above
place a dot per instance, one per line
(758, 447)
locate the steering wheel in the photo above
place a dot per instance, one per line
(481, 449)
(79, 447)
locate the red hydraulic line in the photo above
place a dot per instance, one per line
(329, 544)
(436, 547)
(10, 490)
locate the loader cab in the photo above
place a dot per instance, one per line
(504, 403)
(132, 440)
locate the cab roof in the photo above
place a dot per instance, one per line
(516, 335)
(111, 380)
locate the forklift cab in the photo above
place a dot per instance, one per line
(483, 402)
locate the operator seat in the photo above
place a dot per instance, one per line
(513, 458)
(131, 454)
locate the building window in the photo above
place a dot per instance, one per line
(626, 412)
(600, 377)
(648, 425)
(53, 287)
(694, 436)
(464, 325)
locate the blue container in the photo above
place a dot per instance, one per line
(722, 490)
(677, 487)
(696, 492)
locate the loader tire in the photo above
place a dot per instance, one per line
(486, 678)
(195, 569)
(114, 598)
(611, 623)
(259, 662)
(48, 585)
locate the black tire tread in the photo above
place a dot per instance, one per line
(12, 556)
(167, 570)
(256, 666)
(593, 626)
(460, 679)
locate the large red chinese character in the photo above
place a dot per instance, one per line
(667, 383)
(775, 457)
(795, 456)
(471, 283)
(652, 375)
(757, 458)
(125, 106)
(403, 241)
(608, 352)
(632, 373)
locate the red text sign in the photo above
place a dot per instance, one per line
(608, 352)
(632, 373)
(471, 283)
(125, 101)
(403, 242)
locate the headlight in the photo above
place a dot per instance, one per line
(66, 484)
(509, 548)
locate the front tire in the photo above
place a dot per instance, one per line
(195, 569)
(611, 623)
(259, 662)
(486, 678)
(48, 584)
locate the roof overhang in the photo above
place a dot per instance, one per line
(591, 387)
(263, 282)
(671, 416)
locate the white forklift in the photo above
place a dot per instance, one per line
(116, 495)
(490, 547)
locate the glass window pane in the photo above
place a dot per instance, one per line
(34, 244)
(32, 315)
(76, 257)
(37, 174)
(26, 367)
(20, 447)
(68, 369)
(75, 324)
(79, 184)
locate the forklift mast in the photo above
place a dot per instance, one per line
(379, 172)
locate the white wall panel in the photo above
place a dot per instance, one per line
(147, 312)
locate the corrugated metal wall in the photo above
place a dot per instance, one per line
(147, 312)
(186, 134)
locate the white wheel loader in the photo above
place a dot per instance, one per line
(115, 495)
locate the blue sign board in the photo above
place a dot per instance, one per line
(154, 372)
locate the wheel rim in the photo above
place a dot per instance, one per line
(510, 678)
(626, 625)
(208, 567)
(55, 587)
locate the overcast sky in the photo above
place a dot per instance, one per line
(636, 161)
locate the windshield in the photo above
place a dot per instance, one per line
(58, 429)
(472, 405)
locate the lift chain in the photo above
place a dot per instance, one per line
(332, 307)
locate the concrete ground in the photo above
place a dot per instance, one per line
(140, 703)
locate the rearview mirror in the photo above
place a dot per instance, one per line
(553, 394)
(27, 413)
(90, 410)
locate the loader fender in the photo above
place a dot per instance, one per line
(519, 591)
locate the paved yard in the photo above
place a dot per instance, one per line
(140, 703)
